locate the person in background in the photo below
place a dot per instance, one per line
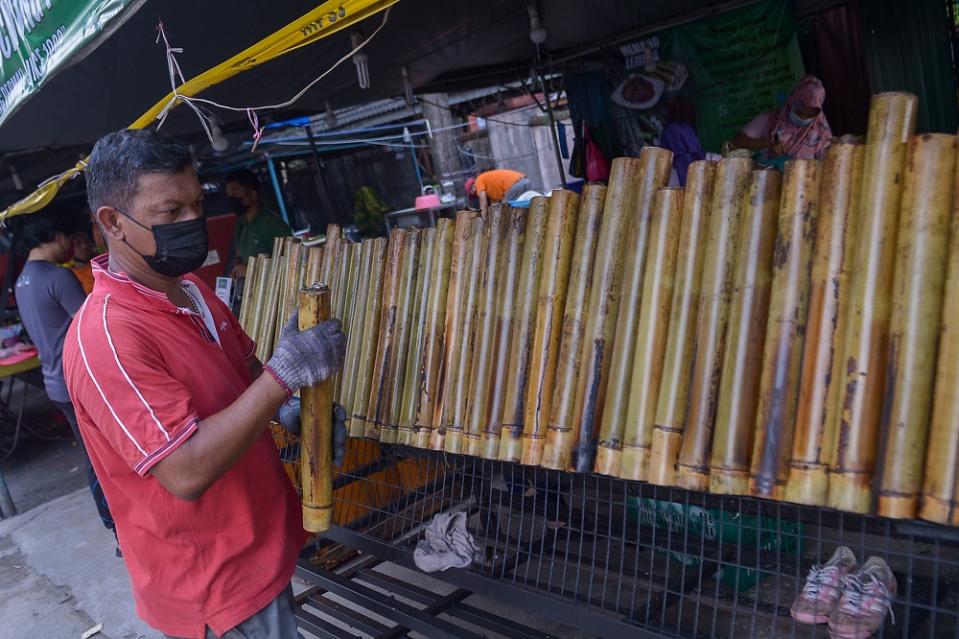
(498, 185)
(48, 296)
(799, 130)
(83, 251)
(255, 227)
(175, 407)
(680, 137)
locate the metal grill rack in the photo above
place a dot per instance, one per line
(609, 556)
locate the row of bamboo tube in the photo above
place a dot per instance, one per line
(790, 335)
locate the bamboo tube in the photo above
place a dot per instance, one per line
(505, 306)
(282, 284)
(452, 331)
(268, 325)
(354, 340)
(477, 403)
(816, 414)
(369, 342)
(316, 417)
(340, 276)
(265, 267)
(654, 175)
(732, 176)
(745, 333)
(412, 372)
(892, 119)
(920, 272)
(940, 488)
(554, 278)
(619, 212)
(647, 370)
(331, 248)
(314, 265)
(558, 450)
(249, 286)
(434, 330)
(455, 437)
(278, 246)
(523, 329)
(377, 411)
(680, 344)
(782, 352)
(400, 349)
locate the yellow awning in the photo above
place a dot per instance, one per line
(309, 28)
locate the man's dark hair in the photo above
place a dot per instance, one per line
(245, 178)
(44, 225)
(120, 158)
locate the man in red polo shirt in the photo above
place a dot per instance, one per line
(173, 408)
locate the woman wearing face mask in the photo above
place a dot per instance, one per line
(798, 130)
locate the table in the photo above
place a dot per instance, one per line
(431, 213)
(13, 372)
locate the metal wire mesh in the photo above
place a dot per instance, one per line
(675, 562)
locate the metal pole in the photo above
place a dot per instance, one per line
(321, 189)
(277, 190)
(552, 130)
(7, 507)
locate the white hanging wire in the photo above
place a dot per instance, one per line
(206, 117)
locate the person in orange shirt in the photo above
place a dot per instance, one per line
(497, 185)
(83, 251)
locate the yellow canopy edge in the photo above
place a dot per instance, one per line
(305, 30)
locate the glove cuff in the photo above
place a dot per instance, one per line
(279, 380)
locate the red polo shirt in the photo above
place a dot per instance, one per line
(143, 375)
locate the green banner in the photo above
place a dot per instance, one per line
(38, 37)
(726, 68)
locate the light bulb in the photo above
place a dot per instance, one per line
(537, 33)
(218, 141)
(361, 61)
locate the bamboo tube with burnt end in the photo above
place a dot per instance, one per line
(920, 273)
(892, 120)
(554, 279)
(647, 372)
(560, 435)
(356, 323)
(782, 352)
(523, 330)
(412, 372)
(680, 344)
(729, 188)
(817, 412)
(369, 341)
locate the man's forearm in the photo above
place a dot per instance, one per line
(220, 440)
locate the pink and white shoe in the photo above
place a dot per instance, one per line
(867, 597)
(823, 588)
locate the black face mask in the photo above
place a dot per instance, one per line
(181, 246)
(237, 205)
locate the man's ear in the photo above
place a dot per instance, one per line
(108, 219)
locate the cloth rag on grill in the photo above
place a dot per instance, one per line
(447, 544)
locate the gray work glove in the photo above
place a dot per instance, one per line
(305, 358)
(289, 418)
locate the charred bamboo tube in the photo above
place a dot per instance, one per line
(654, 175)
(619, 214)
(477, 403)
(399, 352)
(920, 272)
(450, 362)
(265, 342)
(892, 119)
(455, 431)
(316, 417)
(732, 177)
(817, 409)
(412, 373)
(249, 287)
(558, 449)
(505, 306)
(680, 344)
(434, 330)
(357, 320)
(523, 330)
(782, 352)
(370, 341)
(745, 333)
(647, 372)
(940, 488)
(554, 278)
(377, 412)
(265, 266)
